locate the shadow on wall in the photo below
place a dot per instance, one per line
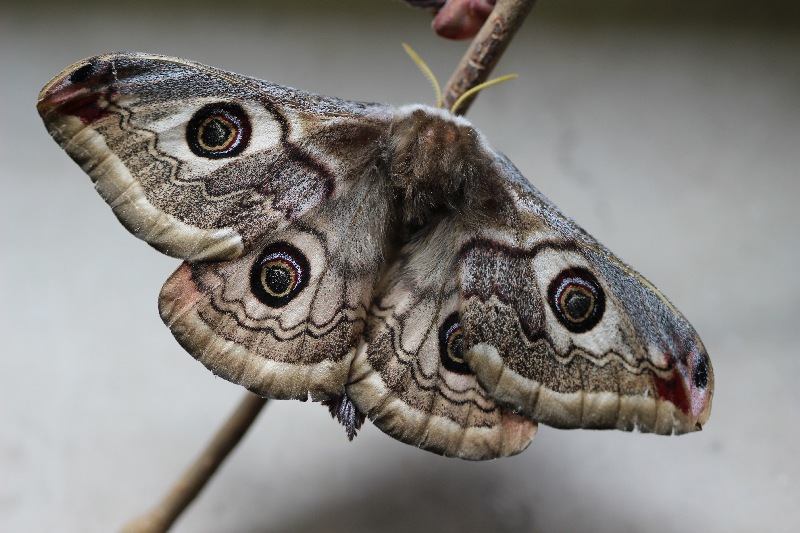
(428, 499)
(438, 494)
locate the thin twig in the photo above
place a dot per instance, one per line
(164, 514)
(485, 50)
(481, 57)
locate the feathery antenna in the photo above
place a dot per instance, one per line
(432, 78)
(426, 71)
(479, 87)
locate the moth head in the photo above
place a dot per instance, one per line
(434, 158)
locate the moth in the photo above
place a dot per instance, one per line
(385, 260)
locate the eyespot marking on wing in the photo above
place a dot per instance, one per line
(279, 274)
(577, 299)
(451, 351)
(218, 130)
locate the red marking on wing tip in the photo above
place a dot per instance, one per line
(76, 99)
(673, 390)
(87, 108)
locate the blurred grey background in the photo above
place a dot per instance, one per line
(671, 132)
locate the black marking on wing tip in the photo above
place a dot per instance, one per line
(82, 73)
(700, 373)
(344, 410)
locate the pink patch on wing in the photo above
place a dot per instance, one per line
(699, 401)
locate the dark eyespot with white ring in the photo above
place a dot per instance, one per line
(451, 346)
(577, 300)
(279, 274)
(218, 130)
